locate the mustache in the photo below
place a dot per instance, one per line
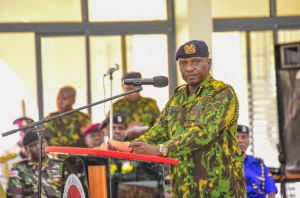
(241, 144)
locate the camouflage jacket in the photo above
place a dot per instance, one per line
(67, 130)
(145, 110)
(23, 179)
(200, 131)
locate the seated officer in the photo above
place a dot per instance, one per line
(23, 177)
(140, 112)
(13, 154)
(259, 181)
(118, 127)
(92, 135)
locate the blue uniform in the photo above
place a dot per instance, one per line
(259, 181)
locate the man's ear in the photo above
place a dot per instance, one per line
(209, 63)
(102, 133)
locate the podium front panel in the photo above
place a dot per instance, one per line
(125, 178)
(101, 173)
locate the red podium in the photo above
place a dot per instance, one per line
(93, 173)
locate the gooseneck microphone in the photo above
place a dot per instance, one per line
(115, 67)
(157, 81)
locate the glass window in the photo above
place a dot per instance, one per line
(263, 98)
(148, 54)
(104, 52)
(129, 10)
(231, 46)
(63, 63)
(18, 82)
(238, 8)
(288, 36)
(19, 11)
(288, 7)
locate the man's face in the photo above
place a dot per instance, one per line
(131, 97)
(119, 132)
(194, 70)
(65, 100)
(243, 140)
(94, 139)
(33, 149)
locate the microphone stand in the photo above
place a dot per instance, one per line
(40, 127)
(111, 110)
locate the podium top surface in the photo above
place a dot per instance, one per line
(107, 153)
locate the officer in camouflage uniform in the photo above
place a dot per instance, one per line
(198, 127)
(23, 177)
(67, 130)
(138, 110)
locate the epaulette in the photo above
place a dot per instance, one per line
(9, 156)
(179, 88)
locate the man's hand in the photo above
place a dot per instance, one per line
(144, 149)
(110, 147)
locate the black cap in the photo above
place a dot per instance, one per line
(243, 129)
(191, 49)
(132, 75)
(30, 136)
(118, 118)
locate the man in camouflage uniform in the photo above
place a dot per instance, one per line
(14, 154)
(23, 177)
(67, 130)
(198, 127)
(138, 110)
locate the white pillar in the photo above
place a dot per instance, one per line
(193, 21)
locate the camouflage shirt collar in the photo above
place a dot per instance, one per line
(35, 165)
(206, 83)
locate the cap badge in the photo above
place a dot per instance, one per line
(119, 119)
(244, 129)
(190, 49)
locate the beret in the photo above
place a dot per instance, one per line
(191, 49)
(22, 121)
(118, 118)
(132, 75)
(30, 136)
(243, 129)
(91, 129)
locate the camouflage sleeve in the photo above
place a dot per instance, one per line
(86, 121)
(221, 110)
(49, 132)
(15, 183)
(159, 132)
(156, 112)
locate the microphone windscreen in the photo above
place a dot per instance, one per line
(160, 81)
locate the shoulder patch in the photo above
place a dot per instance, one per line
(13, 173)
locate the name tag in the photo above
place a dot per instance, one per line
(174, 108)
(199, 107)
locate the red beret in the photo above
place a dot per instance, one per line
(91, 128)
(22, 121)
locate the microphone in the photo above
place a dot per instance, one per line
(157, 81)
(115, 67)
